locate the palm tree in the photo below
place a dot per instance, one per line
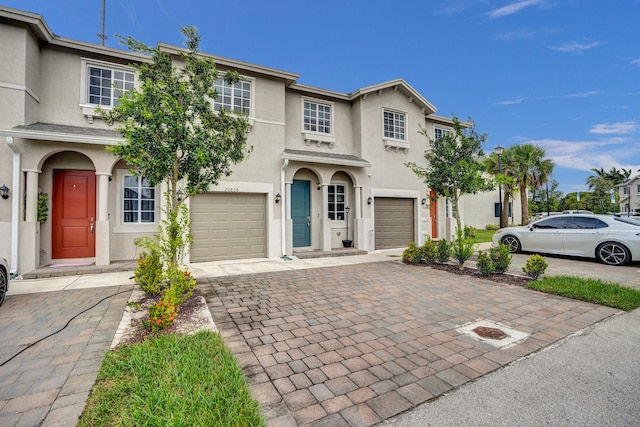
(597, 178)
(529, 170)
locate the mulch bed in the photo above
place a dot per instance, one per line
(508, 279)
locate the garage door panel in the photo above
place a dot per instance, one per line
(394, 222)
(228, 226)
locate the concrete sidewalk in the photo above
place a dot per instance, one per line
(589, 379)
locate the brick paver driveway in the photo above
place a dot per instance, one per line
(354, 345)
(46, 381)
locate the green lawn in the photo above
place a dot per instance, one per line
(591, 290)
(172, 380)
(483, 236)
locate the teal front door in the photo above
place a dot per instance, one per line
(301, 213)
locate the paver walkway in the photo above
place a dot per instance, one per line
(48, 383)
(354, 345)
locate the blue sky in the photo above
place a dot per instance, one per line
(561, 74)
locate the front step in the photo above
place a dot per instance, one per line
(326, 254)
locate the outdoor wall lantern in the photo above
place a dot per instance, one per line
(369, 200)
(424, 201)
(180, 194)
(4, 192)
(278, 198)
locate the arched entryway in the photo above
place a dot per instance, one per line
(68, 180)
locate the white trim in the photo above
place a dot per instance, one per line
(393, 142)
(318, 136)
(89, 110)
(337, 223)
(252, 100)
(120, 225)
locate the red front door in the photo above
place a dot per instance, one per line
(433, 213)
(73, 210)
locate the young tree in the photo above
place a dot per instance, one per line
(453, 167)
(171, 130)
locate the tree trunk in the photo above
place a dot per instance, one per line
(504, 212)
(525, 205)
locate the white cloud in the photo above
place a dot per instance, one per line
(635, 62)
(615, 128)
(512, 8)
(524, 34)
(575, 46)
(521, 99)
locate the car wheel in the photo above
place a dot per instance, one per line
(512, 242)
(3, 284)
(613, 253)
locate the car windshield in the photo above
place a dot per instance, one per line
(627, 220)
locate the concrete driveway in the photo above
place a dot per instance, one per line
(354, 345)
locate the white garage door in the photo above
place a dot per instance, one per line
(394, 224)
(228, 226)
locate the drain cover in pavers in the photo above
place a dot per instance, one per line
(493, 333)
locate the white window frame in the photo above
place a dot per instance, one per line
(393, 142)
(133, 227)
(88, 109)
(335, 201)
(316, 137)
(252, 92)
(318, 103)
(443, 132)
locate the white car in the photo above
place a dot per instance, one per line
(4, 279)
(611, 240)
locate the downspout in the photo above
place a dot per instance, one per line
(283, 209)
(15, 205)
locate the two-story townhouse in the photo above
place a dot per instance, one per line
(326, 166)
(629, 192)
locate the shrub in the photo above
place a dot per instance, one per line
(444, 251)
(462, 250)
(485, 264)
(411, 254)
(535, 266)
(180, 285)
(497, 260)
(148, 274)
(469, 232)
(492, 227)
(161, 315)
(501, 258)
(429, 251)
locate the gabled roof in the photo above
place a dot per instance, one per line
(397, 85)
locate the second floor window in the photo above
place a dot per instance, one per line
(138, 201)
(394, 125)
(439, 133)
(107, 85)
(236, 97)
(336, 202)
(317, 117)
